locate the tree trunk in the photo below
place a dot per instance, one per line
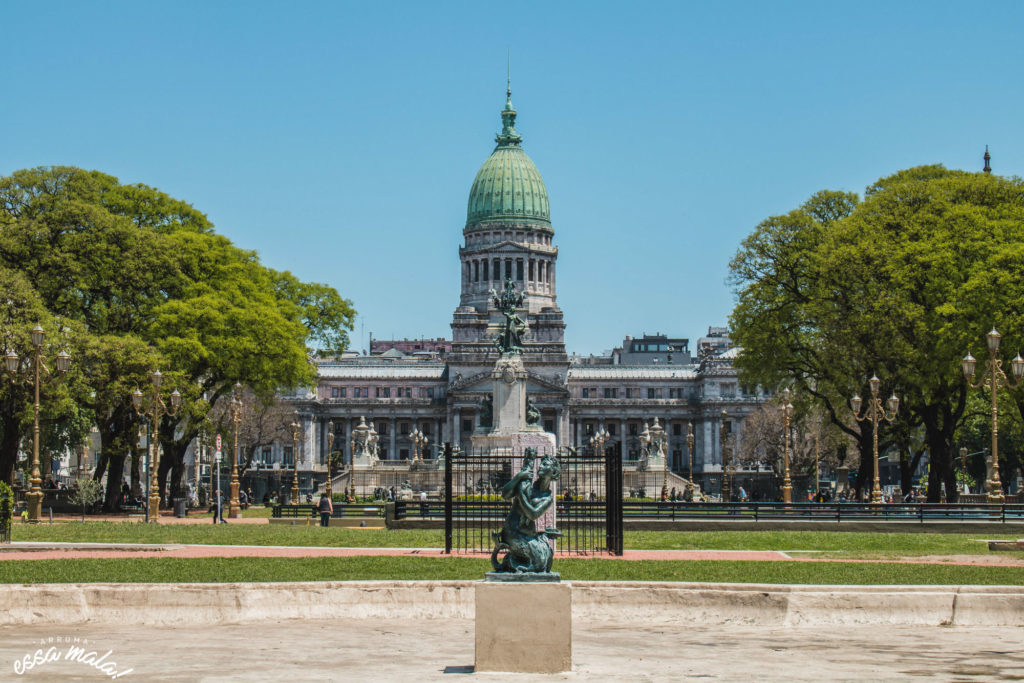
(136, 473)
(115, 472)
(9, 448)
(907, 467)
(865, 471)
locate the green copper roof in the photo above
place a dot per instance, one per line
(508, 186)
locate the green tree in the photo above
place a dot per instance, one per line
(153, 285)
(899, 286)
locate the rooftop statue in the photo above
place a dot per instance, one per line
(527, 550)
(510, 340)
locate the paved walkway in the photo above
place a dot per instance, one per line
(442, 650)
(49, 551)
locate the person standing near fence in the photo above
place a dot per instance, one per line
(326, 509)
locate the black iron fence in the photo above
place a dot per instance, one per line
(835, 512)
(340, 510)
(587, 510)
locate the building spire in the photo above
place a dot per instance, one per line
(508, 134)
(988, 158)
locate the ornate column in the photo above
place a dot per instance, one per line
(393, 448)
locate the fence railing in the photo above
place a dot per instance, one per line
(473, 509)
(836, 512)
(340, 510)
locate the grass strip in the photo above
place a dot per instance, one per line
(251, 569)
(843, 545)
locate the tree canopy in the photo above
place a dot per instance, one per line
(144, 280)
(900, 285)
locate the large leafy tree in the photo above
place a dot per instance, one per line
(899, 286)
(152, 284)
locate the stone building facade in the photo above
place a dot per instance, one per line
(508, 235)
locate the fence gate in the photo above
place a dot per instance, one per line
(588, 510)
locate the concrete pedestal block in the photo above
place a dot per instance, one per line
(523, 627)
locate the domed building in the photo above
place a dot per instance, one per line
(508, 236)
(418, 394)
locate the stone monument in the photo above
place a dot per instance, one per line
(523, 612)
(364, 445)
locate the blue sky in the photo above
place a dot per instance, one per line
(340, 139)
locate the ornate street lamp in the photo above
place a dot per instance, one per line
(689, 449)
(598, 440)
(419, 441)
(875, 412)
(14, 365)
(993, 379)
(787, 419)
(152, 407)
(296, 433)
(234, 504)
(330, 458)
(726, 460)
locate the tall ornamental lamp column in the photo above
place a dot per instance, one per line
(993, 379)
(154, 408)
(598, 440)
(689, 449)
(787, 420)
(726, 478)
(875, 412)
(35, 493)
(234, 504)
(330, 459)
(296, 433)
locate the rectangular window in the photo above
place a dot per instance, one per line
(728, 389)
(651, 392)
(403, 453)
(286, 457)
(586, 392)
(383, 392)
(632, 429)
(677, 430)
(403, 428)
(425, 428)
(588, 429)
(519, 269)
(430, 392)
(341, 392)
(611, 393)
(611, 428)
(549, 426)
(476, 271)
(334, 392)
(382, 428)
(267, 455)
(467, 425)
(485, 271)
(508, 269)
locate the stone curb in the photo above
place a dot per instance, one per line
(650, 602)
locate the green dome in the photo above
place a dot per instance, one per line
(508, 187)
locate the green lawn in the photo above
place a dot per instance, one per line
(841, 545)
(220, 570)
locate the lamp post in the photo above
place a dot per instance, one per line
(726, 478)
(598, 440)
(14, 364)
(419, 441)
(787, 419)
(875, 412)
(330, 459)
(689, 449)
(993, 378)
(153, 407)
(234, 504)
(296, 433)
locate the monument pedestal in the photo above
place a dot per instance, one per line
(523, 627)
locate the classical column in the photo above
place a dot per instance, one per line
(393, 454)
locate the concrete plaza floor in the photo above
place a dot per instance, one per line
(442, 650)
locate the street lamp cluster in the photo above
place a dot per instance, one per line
(14, 365)
(875, 412)
(152, 407)
(297, 431)
(787, 420)
(993, 378)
